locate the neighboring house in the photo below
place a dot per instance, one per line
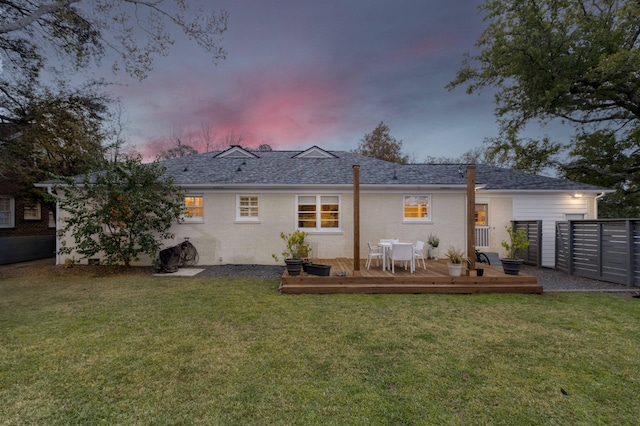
(238, 201)
(27, 225)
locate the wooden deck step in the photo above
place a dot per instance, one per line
(433, 279)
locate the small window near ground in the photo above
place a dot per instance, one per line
(32, 211)
(417, 208)
(247, 208)
(7, 212)
(193, 209)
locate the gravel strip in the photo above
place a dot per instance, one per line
(553, 280)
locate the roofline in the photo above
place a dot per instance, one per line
(320, 186)
(552, 191)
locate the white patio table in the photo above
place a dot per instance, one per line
(386, 246)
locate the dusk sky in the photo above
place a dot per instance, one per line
(304, 73)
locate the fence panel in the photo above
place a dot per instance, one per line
(607, 249)
(585, 250)
(533, 228)
(634, 242)
(615, 252)
(562, 246)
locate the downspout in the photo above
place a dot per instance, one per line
(57, 215)
(595, 203)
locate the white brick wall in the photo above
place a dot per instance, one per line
(220, 236)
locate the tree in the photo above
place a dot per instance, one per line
(57, 131)
(123, 212)
(81, 31)
(473, 156)
(179, 149)
(381, 145)
(570, 61)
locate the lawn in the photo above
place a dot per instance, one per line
(121, 349)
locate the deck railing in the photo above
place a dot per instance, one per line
(482, 236)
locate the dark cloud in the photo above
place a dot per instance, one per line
(303, 73)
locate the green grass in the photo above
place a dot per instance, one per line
(145, 350)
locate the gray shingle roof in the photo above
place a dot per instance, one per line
(281, 168)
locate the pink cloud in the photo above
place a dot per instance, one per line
(285, 108)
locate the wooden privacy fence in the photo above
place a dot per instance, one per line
(533, 229)
(603, 249)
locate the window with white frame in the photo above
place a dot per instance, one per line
(318, 212)
(482, 214)
(417, 208)
(247, 208)
(193, 208)
(7, 211)
(32, 211)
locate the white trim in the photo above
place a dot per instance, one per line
(421, 219)
(239, 217)
(11, 222)
(236, 151)
(36, 208)
(318, 212)
(196, 219)
(315, 152)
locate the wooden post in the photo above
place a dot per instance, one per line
(356, 221)
(471, 218)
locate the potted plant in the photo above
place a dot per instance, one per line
(433, 242)
(296, 250)
(456, 258)
(518, 240)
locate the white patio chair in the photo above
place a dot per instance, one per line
(374, 252)
(418, 253)
(402, 252)
(385, 246)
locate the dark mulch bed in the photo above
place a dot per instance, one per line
(47, 267)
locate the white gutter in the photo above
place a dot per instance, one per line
(50, 191)
(595, 203)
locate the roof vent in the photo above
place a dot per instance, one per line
(395, 176)
(185, 169)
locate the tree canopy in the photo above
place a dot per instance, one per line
(50, 126)
(123, 213)
(49, 131)
(381, 145)
(77, 32)
(568, 61)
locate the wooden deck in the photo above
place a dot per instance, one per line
(435, 279)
